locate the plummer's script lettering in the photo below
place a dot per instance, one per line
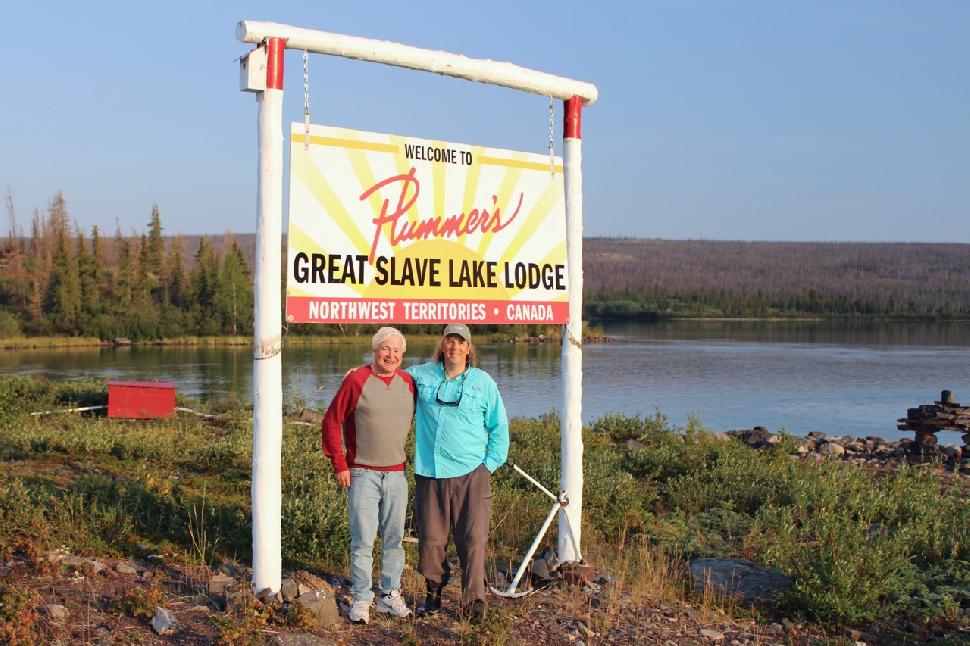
(406, 189)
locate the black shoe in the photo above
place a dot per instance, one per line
(431, 605)
(475, 613)
(432, 600)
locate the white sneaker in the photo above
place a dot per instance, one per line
(359, 612)
(392, 603)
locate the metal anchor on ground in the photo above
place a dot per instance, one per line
(557, 502)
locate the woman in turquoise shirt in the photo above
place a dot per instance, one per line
(462, 436)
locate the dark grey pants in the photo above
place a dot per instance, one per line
(464, 506)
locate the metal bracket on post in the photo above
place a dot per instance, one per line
(252, 70)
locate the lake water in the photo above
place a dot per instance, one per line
(839, 378)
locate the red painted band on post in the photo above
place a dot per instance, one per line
(572, 118)
(275, 48)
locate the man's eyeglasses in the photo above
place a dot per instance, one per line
(461, 391)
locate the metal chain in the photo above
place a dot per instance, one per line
(552, 160)
(306, 100)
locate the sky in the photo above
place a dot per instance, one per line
(717, 119)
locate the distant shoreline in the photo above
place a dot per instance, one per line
(55, 342)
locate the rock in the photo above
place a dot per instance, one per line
(96, 566)
(164, 622)
(544, 565)
(237, 598)
(126, 568)
(831, 449)
(298, 639)
(219, 583)
(954, 453)
(605, 578)
(578, 573)
(307, 582)
(73, 561)
(713, 635)
(230, 569)
(290, 589)
(757, 438)
(266, 595)
(739, 576)
(57, 613)
(56, 556)
(322, 606)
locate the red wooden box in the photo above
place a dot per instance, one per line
(140, 399)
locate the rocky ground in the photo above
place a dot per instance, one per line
(81, 600)
(952, 462)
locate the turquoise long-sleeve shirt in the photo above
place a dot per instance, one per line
(453, 440)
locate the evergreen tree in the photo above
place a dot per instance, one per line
(233, 299)
(153, 261)
(89, 285)
(62, 302)
(202, 287)
(122, 274)
(143, 282)
(175, 280)
(156, 246)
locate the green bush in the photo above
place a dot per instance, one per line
(9, 325)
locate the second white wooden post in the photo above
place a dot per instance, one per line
(571, 433)
(267, 342)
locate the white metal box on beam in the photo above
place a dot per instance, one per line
(252, 71)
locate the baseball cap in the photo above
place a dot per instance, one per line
(458, 328)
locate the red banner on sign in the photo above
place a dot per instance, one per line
(308, 309)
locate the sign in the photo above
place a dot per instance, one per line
(391, 229)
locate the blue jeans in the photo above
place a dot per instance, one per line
(377, 500)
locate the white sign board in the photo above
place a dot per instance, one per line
(392, 229)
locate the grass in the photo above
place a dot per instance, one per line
(859, 548)
(47, 342)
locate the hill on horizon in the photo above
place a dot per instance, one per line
(731, 277)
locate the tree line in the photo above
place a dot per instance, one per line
(651, 279)
(61, 281)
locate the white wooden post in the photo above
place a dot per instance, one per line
(273, 39)
(571, 431)
(267, 344)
